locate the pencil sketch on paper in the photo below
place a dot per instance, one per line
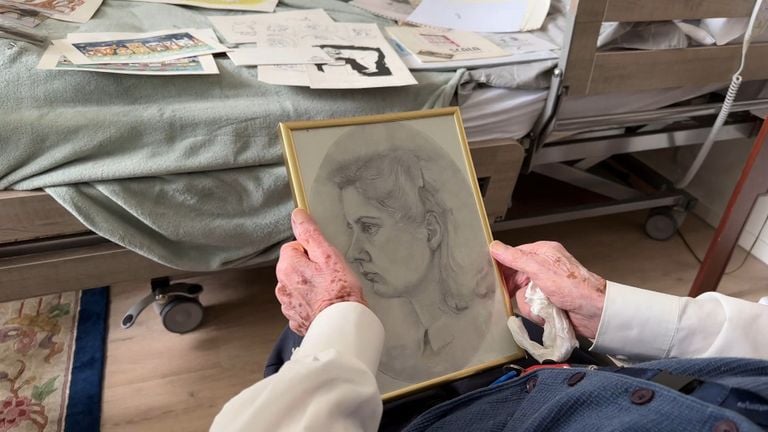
(247, 28)
(362, 56)
(402, 210)
(366, 61)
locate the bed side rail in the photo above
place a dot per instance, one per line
(664, 10)
(34, 215)
(589, 72)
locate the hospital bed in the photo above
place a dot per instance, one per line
(567, 141)
(44, 248)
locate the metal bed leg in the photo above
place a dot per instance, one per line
(752, 183)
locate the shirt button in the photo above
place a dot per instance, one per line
(575, 378)
(641, 396)
(725, 426)
(531, 384)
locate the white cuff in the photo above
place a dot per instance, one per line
(349, 328)
(636, 323)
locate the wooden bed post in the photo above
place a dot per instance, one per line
(578, 56)
(752, 183)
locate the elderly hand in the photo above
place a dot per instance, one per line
(312, 275)
(567, 284)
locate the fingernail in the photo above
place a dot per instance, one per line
(497, 246)
(298, 214)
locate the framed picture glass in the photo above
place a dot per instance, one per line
(397, 195)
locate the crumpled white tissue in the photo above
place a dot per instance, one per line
(559, 338)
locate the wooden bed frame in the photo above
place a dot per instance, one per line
(44, 249)
(590, 72)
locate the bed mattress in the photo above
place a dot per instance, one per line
(491, 113)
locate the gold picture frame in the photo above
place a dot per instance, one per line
(398, 195)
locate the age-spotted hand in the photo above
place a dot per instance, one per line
(312, 275)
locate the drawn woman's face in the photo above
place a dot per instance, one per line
(391, 255)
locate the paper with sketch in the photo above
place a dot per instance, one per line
(78, 11)
(239, 29)
(362, 56)
(481, 16)
(20, 15)
(278, 56)
(436, 45)
(396, 10)
(53, 59)
(96, 48)
(242, 5)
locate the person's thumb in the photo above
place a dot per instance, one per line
(292, 258)
(515, 258)
(308, 234)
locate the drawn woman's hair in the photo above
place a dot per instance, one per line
(404, 172)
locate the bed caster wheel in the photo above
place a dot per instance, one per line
(181, 315)
(177, 304)
(662, 223)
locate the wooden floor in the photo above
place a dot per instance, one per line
(157, 381)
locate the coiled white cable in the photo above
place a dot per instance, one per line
(730, 96)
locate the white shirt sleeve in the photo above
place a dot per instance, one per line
(328, 385)
(642, 325)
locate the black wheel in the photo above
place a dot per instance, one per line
(182, 315)
(661, 224)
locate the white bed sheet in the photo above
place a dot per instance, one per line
(499, 113)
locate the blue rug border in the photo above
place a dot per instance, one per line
(87, 377)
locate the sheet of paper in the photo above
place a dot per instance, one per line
(290, 75)
(413, 62)
(239, 29)
(392, 9)
(53, 59)
(78, 11)
(99, 48)
(242, 5)
(514, 43)
(481, 16)
(278, 56)
(362, 56)
(436, 45)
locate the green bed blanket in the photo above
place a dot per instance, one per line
(184, 170)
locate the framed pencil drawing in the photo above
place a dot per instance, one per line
(397, 195)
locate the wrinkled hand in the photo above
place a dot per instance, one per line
(567, 284)
(312, 275)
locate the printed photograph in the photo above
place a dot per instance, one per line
(399, 200)
(144, 49)
(189, 64)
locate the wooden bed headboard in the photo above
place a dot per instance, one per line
(588, 71)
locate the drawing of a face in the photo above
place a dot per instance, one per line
(392, 255)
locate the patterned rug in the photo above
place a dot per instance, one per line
(52, 362)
